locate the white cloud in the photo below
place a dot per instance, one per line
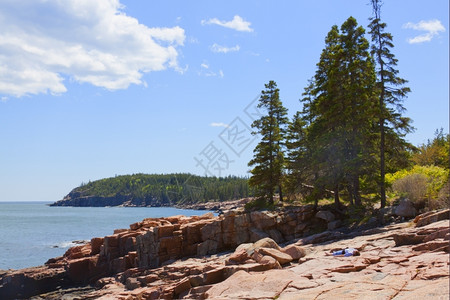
(432, 28)
(212, 74)
(238, 23)
(222, 49)
(44, 42)
(219, 124)
(207, 72)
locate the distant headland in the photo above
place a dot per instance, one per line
(155, 190)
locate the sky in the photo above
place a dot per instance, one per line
(95, 89)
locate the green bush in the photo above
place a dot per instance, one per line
(436, 178)
(258, 204)
(443, 199)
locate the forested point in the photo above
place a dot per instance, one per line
(157, 190)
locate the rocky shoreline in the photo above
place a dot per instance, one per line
(123, 201)
(218, 206)
(254, 255)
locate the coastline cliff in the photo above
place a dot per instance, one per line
(241, 254)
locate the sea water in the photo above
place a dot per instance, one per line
(33, 232)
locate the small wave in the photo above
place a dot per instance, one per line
(68, 244)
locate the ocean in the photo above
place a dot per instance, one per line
(32, 232)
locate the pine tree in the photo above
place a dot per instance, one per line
(391, 92)
(268, 161)
(341, 109)
(360, 112)
(297, 160)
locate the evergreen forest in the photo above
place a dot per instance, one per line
(347, 140)
(166, 189)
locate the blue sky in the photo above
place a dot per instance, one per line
(91, 89)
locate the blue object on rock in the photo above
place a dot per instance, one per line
(346, 252)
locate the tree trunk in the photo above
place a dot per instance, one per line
(337, 203)
(350, 194)
(280, 193)
(357, 196)
(382, 142)
(382, 166)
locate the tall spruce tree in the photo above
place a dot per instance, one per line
(268, 160)
(360, 112)
(304, 173)
(391, 91)
(297, 158)
(341, 110)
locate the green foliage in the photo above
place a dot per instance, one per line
(390, 90)
(268, 159)
(434, 152)
(168, 188)
(297, 156)
(436, 178)
(443, 199)
(259, 203)
(350, 130)
(340, 109)
(413, 186)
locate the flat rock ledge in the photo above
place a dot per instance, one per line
(257, 255)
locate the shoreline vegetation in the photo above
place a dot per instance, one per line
(152, 190)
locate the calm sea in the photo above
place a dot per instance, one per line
(32, 232)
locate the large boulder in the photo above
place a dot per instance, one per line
(238, 257)
(325, 215)
(294, 251)
(281, 257)
(266, 243)
(406, 209)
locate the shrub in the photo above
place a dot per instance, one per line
(258, 204)
(435, 176)
(413, 186)
(443, 199)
